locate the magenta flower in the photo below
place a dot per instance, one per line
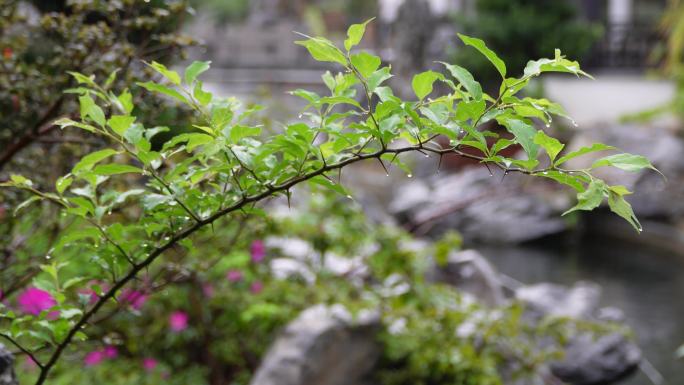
(33, 301)
(258, 251)
(256, 287)
(94, 358)
(234, 275)
(178, 321)
(111, 352)
(29, 363)
(135, 298)
(149, 364)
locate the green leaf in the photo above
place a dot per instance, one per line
(63, 183)
(88, 161)
(558, 64)
(365, 63)
(621, 207)
(323, 49)
(584, 150)
(66, 122)
(329, 184)
(82, 79)
(193, 140)
(551, 145)
(194, 70)
(91, 110)
(573, 181)
(422, 83)
(466, 79)
(488, 53)
(591, 198)
(115, 168)
(162, 89)
(355, 34)
(126, 100)
(627, 162)
(524, 134)
(238, 132)
(120, 123)
(26, 203)
(172, 76)
(377, 77)
(202, 96)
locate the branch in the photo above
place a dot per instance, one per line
(270, 190)
(23, 350)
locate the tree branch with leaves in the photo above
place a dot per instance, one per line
(224, 168)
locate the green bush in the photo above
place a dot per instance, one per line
(521, 29)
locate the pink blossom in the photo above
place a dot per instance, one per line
(149, 364)
(258, 251)
(234, 275)
(256, 287)
(178, 321)
(94, 358)
(135, 298)
(111, 351)
(29, 363)
(33, 301)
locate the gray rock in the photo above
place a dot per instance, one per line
(323, 346)
(484, 209)
(470, 272)
(7, 376)
(604, 361)
(548, 299)
(653, 196)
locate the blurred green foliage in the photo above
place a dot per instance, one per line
(522, 29)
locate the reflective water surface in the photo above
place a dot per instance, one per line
(647, 285)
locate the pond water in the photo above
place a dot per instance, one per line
(647, 285)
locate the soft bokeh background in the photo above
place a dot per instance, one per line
(629, 46)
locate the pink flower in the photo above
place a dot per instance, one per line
(33, 301)
(178, 321)
(234, 275)
(149, 364)
(258, 251)
(29, 363)
(256, 287)
(111, 351)
(94, 358)
(135, 298)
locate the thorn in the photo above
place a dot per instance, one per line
(489, 169)
(504, 175)
(383, 166)
(439, 165)
(339, 175)
(287, 192)
(394, 157)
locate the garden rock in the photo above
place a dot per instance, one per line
(470, 272)
(548, 299)
(604, 361)
(325, 345)
(7, 376)
(483, 208)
